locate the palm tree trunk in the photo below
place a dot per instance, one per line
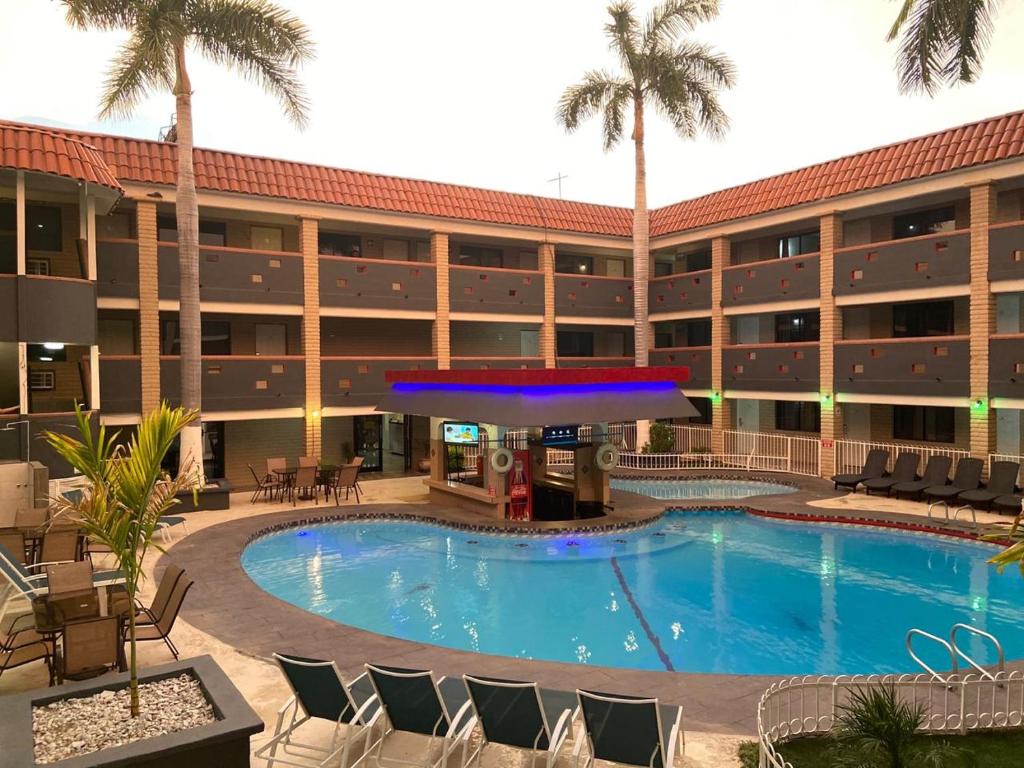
(133, 665)
(189, 318)
(641, 260)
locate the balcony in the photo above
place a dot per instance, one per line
(1006, 252)
(37, 309)
(120, 384)
(377, 284)
(697, 359)
(117, 268)
(771, 367)
(359, 381)
(238, 275)
(795, 278)
(593, 296)
(498, 291)
(487, 363)
(240, 383)
(1006, 365)
(938, 366)
(595, 362)
(686, 292)
(898, 265)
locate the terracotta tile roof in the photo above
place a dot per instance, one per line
(985, 141)
(27, 148)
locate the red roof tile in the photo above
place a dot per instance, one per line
(34, 149)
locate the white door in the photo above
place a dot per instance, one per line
(529, 343)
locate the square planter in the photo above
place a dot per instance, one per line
(216, 495)
(221, 744)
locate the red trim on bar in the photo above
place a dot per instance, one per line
(542, 377)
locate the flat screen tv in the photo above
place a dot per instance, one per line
(461, 434)
(564, 436)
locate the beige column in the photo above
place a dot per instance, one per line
(21, 248)
(720, 337)
(983, 429)
(149, 304)
(442, 344)
(831, 331)
(87, 233)
(308, 243)
(548, 335)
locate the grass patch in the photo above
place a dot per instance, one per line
(1000, 749)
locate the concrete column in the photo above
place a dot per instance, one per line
(87, 232)
(309, 244)
(548, 333)
(831, 331)
(720, 337)
(149, 304)
(983, 314)
(442, 343)
(21, 244)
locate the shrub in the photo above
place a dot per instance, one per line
(747, 752)
(662, 439)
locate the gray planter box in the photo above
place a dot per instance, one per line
(222, 744)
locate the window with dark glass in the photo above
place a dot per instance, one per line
(703, 405)
(797, 416)
(924, 222)
(567, 263)
(216, 337)
(697, 261)
(337, 244)
(922, 318)
(213, 451)
(661, 268)
(42, 228)
(479, 256)
(575, 344)
(662, 339)
(926, 423)
(698, 333)
(213, 233)
(793, 327)
(795, 245)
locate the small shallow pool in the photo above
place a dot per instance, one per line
(708, 488)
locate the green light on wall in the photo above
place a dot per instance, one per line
(826, 398)
(979, 406)
(716, 397)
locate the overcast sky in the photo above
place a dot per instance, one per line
(464, 91)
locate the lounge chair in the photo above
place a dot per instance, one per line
(415, 702)
(320, 693)
(874, 466)
(629, 730)
(518, 714)
(161, 628)
(167, 524)
(936, 472)
(903, 471)
(1001, 481)
(966, 478)
(21, 582)
(1010, 502)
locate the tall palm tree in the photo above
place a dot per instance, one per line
(260, 40)
(941, 42)
(680, 79)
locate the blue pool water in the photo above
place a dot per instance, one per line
(703, 488)
(696, 591)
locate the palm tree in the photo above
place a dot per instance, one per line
(680, 80)
(941, 42)
(263, 42)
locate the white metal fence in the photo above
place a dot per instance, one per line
(958, 704)
(851, 454)
(994, 457)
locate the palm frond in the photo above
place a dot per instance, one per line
(624, 33)
(597, 91)
(684, 87)
(142, 64)
(101, 14)
(672, 18)
(970, 39)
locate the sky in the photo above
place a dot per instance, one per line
(464, 91)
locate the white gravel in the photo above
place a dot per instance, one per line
(76, 727)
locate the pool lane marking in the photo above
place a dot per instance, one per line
(640, 615)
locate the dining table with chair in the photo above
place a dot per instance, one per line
(304, 479)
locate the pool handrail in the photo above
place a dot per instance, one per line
(1000, 665)
(934, 638)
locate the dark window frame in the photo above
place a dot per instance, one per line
(924, 423)
(569, 264)
(921, 319)
(799, 244)
(807, 327)
(797, 416)
(927, 222)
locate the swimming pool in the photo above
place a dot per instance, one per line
(722, 592)
(708, 488)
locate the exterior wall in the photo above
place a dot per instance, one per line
(371, 337)
(253, 441)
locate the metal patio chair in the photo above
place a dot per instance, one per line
(629, 730)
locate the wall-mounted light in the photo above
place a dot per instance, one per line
(315, 414)
(53, 345)
(716, 397)
(978, 405)
(826, 398)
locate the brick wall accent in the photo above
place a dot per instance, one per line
(253, 441)
(442, 344)
(149, 304)
(721, 410)
(546, 262)
(831, 330)
(983, 423)
(308, 244)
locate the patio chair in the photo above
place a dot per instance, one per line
(19, 641)
(966, 478)
(320, 693)
(167, 524)
(14, 541)
(415, 702)
(309, 461)
(36, 517)
(278, 463)
(357, 462)
(347, 479)
(168, 581)
(69, 578)
(89, 648)
(22, 583)
(60, 545)
(266, 486)
(874, 466)
(629, 730)
(903, 471)
(1010, 502)
(1001, 481)
(936, 472)
(518, 714)
(305, 483)
(161, 628)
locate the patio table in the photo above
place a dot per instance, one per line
(287, 475)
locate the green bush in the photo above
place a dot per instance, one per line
(662, 440)
(747, 753)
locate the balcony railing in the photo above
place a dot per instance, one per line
(595, 362)
(698, 359)
(593, 296)
(359, 381)
(470, 362)
(935, 366)
(795, 278)
(37, 309)
(120, 384)
(499, 291)
(686, 292)
(917, 262)
(1006, 252)
(771, 367)
(236, 275)
(117, 268)
(1006, 365)
(377, 284)
(240, 382)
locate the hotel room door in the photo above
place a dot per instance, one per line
(367, 434)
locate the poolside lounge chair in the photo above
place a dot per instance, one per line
(966, 478)
(903, 471)
(518, 714)
(414, 701)
(936, 472)
(21, 582)
(1001, 481)
(161, 628)
(320, 693)
(629, 730)
(874, 466)
(167, 524)
(1010, 502)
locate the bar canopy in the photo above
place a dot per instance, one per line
(538, 397)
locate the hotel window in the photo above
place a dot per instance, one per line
(266, 238)
(662, 339)
(796, 245)
(37, 266)
(924, 222)
(41, 381)
(698, 333)
(696, 261)
(797, 416)
(216, 337)
(568, 264)
(922, 318)
(794, 327)
(42, 228)
(925, 423)
(214, 233)
(663, 268)
(337, 244)
(575, 344)
(479, 256)
(703, 405)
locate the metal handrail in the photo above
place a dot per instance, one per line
(940, 641)
(1001, 664)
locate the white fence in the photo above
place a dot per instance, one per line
(994, 457)
(959, 704)
(851, 454)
